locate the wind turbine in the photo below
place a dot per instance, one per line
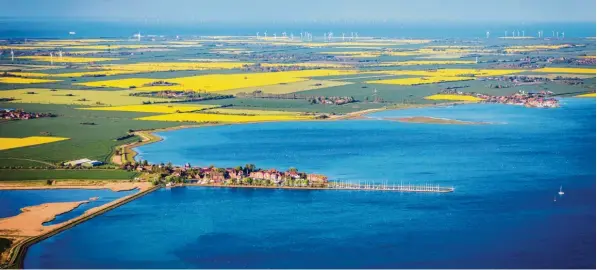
(513, 33)
(558, 35)
(476, 59)
(518, 33)
(562, 35)
(60, 54)
(51, 59)
(553, 33)
(487, 34)
(522, 33)
(342, 37)
(506, 33)
(291, 36)
(284, 34)
(257, 35)
(301, 35)
(12, 55)
(139, 36)
(356, 35)
(275, 36)
(265, 34)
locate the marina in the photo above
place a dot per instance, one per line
(391, 187)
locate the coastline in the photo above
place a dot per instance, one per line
(24, 233)
(119, 185)
(149, 136)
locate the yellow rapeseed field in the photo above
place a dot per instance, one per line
(425, 62)
(249, 112)
(20, 80)
(66, 59)
(220, 82)
(221, 118)
(153, 108)
(306, 65)
(175, 66)
(421, 80)
(589, 95)
(76, 97)
(110, 70)
(450, 72)
(453, 97)
(567, 70)
(289, 87)
(532, 48)
(9, 143)
(439, 75)
(359, 54)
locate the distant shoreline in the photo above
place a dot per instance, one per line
(434, 120)
(150, 136)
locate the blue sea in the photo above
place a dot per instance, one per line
(504, 213)
(11, 201)
(40, 28)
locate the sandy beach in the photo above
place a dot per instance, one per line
(66, 184)
(30, 221)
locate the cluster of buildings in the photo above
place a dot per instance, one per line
(530, 80)
(540, 99)
(182, 95)
(12, 114)
(84, 162)
(331, 100)
(247, 175)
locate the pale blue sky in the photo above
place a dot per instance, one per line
(518, 11)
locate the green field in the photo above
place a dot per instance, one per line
(98, 141)
(32, 174)
(86, 141)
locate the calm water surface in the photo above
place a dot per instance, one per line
(13, 200)
(502, 215)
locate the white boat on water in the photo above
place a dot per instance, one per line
(561, 192)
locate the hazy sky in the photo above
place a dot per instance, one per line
(519, 11)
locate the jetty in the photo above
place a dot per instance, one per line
(391, 187)
(427, 188)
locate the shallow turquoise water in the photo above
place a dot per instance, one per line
(502, 215)
(13, 200)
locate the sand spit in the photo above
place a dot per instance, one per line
(30, 221)
(433, 120)
(114, 186)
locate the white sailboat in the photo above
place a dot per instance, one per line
(561, 192)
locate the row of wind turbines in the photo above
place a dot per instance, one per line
(60, 54)
(307, 36)
(517, 33)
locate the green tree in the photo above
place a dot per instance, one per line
(145, 163)
(249, 168)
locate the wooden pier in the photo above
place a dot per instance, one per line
(343, 186)
(391, 187)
